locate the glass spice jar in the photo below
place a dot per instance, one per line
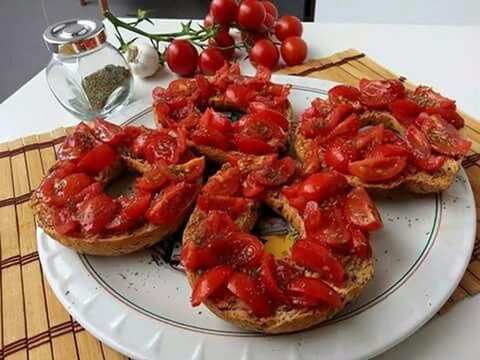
(87, 75)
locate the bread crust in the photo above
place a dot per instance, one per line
(419, 182)
(358, 272)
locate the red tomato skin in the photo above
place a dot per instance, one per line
(370, 169)
(209, 282)
(233, 206)
(210, 61)
(387, 150)
(339, 154)
(223, 11)
(360, 210)
(212, 137)
(94, 214)
(405, 111)
(316, 288)
(224, 42)
(347, 128)
(224, 183)
(251, 15)
(288, 25)
(194, 257)
(294, 50)
(339, 92)
(64, 190)
(250, 291)
(270, 8)
(318, 258)
(378, 94)
(108, 132)
(182, 57)
(269, 278)
(447, 114)
(264, 53)
(97, 159)
(252, 146)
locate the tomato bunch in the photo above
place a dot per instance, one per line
(264, 35)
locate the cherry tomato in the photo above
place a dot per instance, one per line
(268, 276)
(211, 137)
(293, 50)
(251, 14)
(429, 98)
(233, 206)
(443, 136)
(182, 57)
(288, 25)
(317, 289)
(405, 111)
(378, 169)
(94, 214)
(195, 257)
(387, 150)
(250, 291)
(338, 94)
(268, 22)
(370, 137)
(347, 128)
(223, 11)
(226, 182)
(210, 60)
(224, 42)
(361, 211)
(97, 159)
(264, 53)
(378, 94)
(277, 174)
(209, 282)
(270, 8)
(171, 203)
(339, 154)
(209, 21)
(449, 115)
(318, 258)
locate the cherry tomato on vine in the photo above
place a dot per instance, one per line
(223, 11)
(293, 50)
(210, 60)
(264, 53)
(251, 15)
(270, 8)
(182, 57)
(208, 21)
(225, 41)
(288, 25)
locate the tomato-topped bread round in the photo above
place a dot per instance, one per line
(326, 268)
(263, 112)
(70, 204)
(382, 136)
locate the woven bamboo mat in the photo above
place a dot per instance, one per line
(33, 324)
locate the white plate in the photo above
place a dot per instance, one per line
(139, 304)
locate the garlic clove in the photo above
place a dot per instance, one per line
(143, 60)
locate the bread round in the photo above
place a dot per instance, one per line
(286, 318)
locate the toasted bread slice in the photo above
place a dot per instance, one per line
(420, 182)
(115, 244)
(358, 272)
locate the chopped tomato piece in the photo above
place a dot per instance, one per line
(318, 258)
(154, 179)
(209, 282)
(449, 115)
(339, 113)
(107, 132)
(190, 171)
(65, 223)
(211, 137)
(226, 182)
(349, 127)
(313, 159)
(378, 169)
(271, 116)
(361, 211)
(251, 188)
(97, 159)
(250, 163)
(214, 120)
(317, 289)
(387, 150)
(268, 275)
(77, 144)
(254, 126)
(430, 98)
(94, 214)
(167, 145)
(313, 218)
(339, 154)
(360, 243)
(195, 257)
(237, 95)
(342, 93)
(249, 290)
(87, 193)
(64, 190)
(233, 206)
(315, 120)
(378, 94)
(171, 203)
(420, 151)
(240, 249)
(405, 111)
(334, 234)
(369, 137)
(317, 187)
(252, 146)
(443, 136)
(277, 174)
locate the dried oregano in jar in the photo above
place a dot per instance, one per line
(98, 86)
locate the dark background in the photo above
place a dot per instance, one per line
(23, 53)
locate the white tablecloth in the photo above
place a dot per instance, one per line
(444, 57)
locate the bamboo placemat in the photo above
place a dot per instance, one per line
(33, 324)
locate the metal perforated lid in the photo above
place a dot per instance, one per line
(74, 36)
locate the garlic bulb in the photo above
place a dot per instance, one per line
(143, 60)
